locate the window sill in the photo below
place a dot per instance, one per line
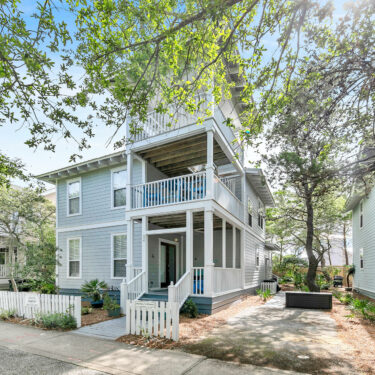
(71, 215)
(118, 208)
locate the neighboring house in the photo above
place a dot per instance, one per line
(336, 256)
(363, 227)
(178, 208)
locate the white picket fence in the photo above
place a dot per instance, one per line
(29, 305)
(153, 318)
(268, 285)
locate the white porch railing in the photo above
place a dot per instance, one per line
(198, 281)
(180, 292)
(160, 123)
(226, 279)
(232, 184)
(169, 191)
(272, 286)
(4, 270)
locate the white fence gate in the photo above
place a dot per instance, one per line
(272, 286)
(153, 318)
(28, 305)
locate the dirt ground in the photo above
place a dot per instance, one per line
(306, 341)
(194, 330)
(358, 335)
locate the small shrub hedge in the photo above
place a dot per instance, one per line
(189, 309)
(360, 307)
(56, 321)
(7, 314)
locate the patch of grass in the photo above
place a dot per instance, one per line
(7, 314)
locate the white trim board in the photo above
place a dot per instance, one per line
(92, 226)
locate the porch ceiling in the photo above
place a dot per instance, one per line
(179, 220)
(174, 158)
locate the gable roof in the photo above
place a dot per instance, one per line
(85, 166)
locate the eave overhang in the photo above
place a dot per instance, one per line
(271, 246)
(114, 159)
(259, 182)
(353, 201)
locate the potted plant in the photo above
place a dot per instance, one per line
(113, 309)
(94, 290)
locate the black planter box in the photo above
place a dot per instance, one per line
(309, 300)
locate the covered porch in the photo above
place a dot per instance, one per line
(192, 253)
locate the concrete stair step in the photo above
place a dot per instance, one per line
(154, 297)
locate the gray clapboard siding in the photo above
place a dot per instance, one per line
(96, 256)
(253, 274)
(364, 279)
(252, 195)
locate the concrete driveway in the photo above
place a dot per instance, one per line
(289, 339)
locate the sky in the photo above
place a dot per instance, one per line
(37, 161)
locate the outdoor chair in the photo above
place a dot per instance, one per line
(337, 281)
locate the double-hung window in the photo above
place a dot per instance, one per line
(119, 247)
(74, 257)
(119, 188)
(250, 211)
(361, 215)
(257, 260)
(74, 197)
(361, 263)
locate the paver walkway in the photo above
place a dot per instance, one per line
(110, 329)
(271, 335)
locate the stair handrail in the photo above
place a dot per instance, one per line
(181, 290)
(132, 290)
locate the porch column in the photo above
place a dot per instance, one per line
(224, 244)
(234, 246)
(189, 240)
(208, 253)
(145, 248)
(242, 252)
(129, 247)
(210, 165)
(129, 179)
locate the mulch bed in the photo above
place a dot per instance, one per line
(357, 333)
(194, 329)
(96, 316)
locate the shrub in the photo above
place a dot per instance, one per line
(190, 309)
(109, 303)
(7, 314)
(86, 310)
(93, 289)
(56, 321)
(264, 294)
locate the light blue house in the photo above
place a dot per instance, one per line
(363, 224)
(175, 215)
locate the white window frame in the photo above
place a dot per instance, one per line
(113, 258)
(68, 257)
(78, 179)
(257, 258)
(361, 259)
(361, 218)
(118, 169)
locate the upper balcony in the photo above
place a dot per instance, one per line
(189, 188)
(162, 128)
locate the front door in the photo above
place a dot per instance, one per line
(167, 264)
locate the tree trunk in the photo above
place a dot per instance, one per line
(313, 262)
(345, 246)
